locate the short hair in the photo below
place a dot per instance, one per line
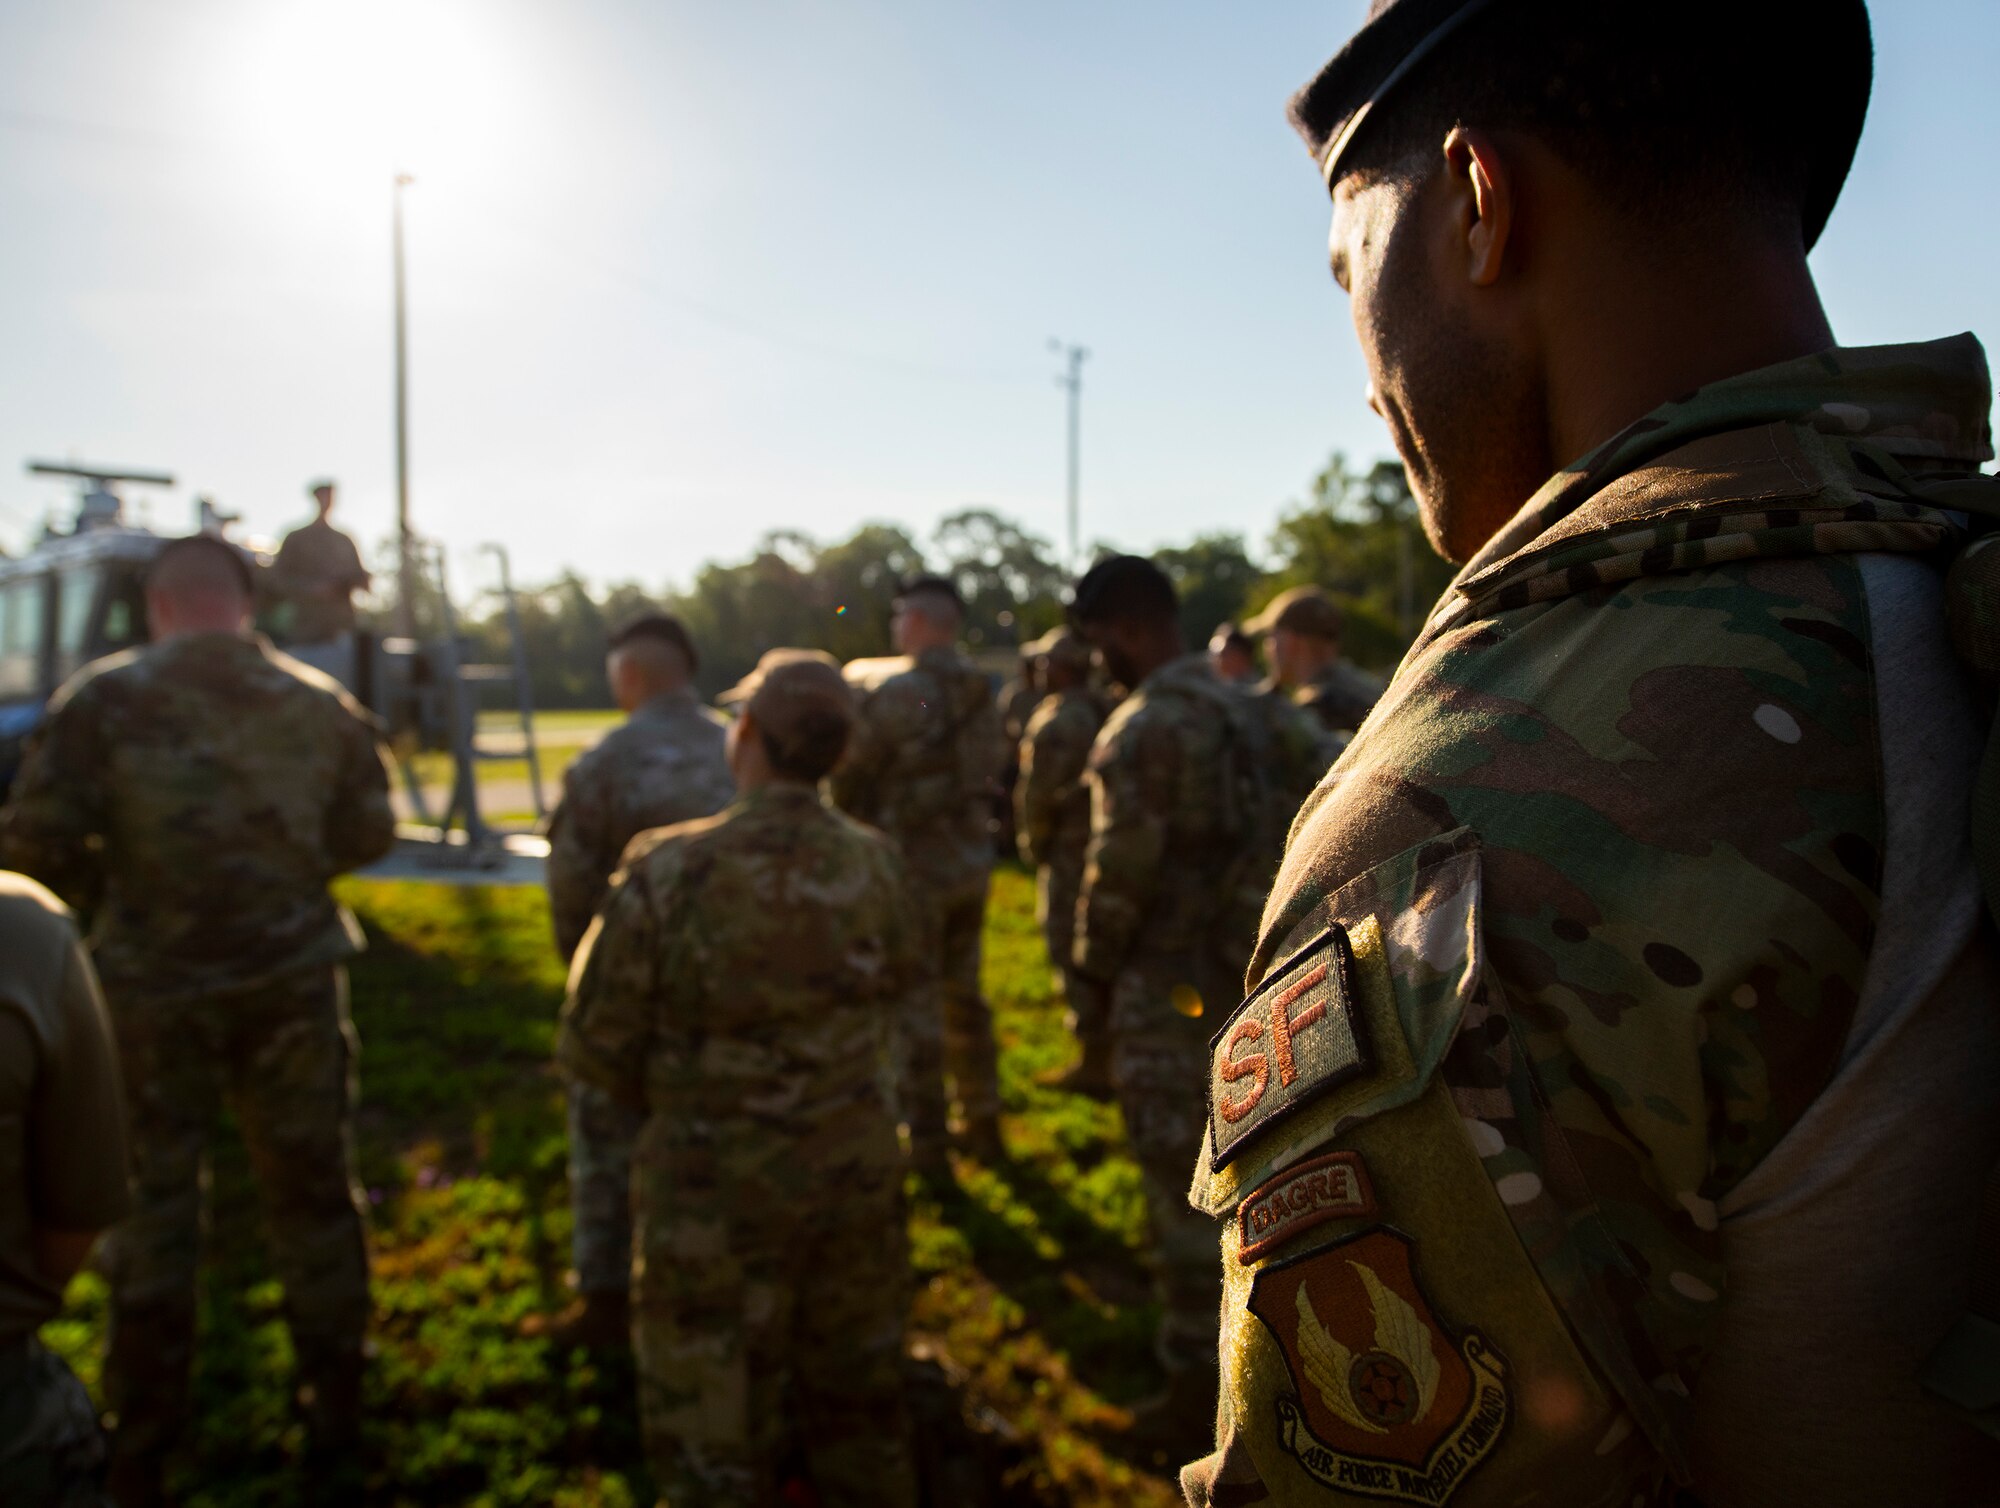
(1124, 587)
(663, 628)
(811, 747)
(936, 597)
(200, 562)
(1228, 636)
(1663, 114)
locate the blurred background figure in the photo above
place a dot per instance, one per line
(196, 796)
(62, 1140)
(1017, 701)
(1052, 822)
(318, 570)
(1173, 883)
(748, 986)
(923, 766)
(664, 764)
(1302, 630)
(1232, 654)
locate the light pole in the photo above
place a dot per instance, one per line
(406, 611)
(1072, 382)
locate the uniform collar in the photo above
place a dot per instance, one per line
(1746, 468)
(1926, 403)
(667, 704)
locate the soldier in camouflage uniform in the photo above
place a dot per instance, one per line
(195, 797)
(664, 765)
(1610, 1108)
(1172, 879)
(62, 1145)
(924, 766)
(1052, 821)
(748, 984)
(1232, 655)
(1302, 628)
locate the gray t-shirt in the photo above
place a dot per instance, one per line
(62, 1123)
(1849, 1247)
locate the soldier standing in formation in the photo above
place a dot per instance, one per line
(1232, 655)
(318, 570)
(62, 1141)
(1172, 881)
(1613, 1102)
(747, 984)
(195, 796)
(1302, 629)
(1052, 821)
(923, 766)
(664, 765)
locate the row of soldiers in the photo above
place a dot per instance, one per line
(926, 746)
(775, 925)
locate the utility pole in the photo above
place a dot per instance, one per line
(406, 584)
(1071, 382)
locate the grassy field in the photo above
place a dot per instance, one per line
(1031, 1303)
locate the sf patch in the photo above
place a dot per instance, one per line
(1386, 1403)
(1298, 1036)
(1333, 1187)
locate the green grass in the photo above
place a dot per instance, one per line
(1029, 1286)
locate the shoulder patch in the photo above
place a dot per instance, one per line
(1386, 1403)
(1333, 1187)
(1298, 1036)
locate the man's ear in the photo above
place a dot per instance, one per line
(1483, 189)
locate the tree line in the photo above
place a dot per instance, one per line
(1355, 534)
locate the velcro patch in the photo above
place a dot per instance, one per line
(1298, 1036)
(1333, 1187)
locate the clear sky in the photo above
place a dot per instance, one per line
(682, 273)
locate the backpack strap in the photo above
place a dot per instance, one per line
(1964, 1370)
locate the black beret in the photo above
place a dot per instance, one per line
(656, 625)
(1831, 45)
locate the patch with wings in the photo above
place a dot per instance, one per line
(1386, 1402)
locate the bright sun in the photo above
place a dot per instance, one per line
(337, 88)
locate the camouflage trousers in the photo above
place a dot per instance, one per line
(1056, 888)
(281, 1057)
(52, 1453)
(769, 1302)
(602, 1129)
(1159, 1070)
(956, 1036)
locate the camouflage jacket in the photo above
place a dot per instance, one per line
(194, 797)
(1052, 801)
(924, 761)
(1179, 812)
(665, 764)
(1340, 696)
(1568, 939)
(750, 973)
(1299, 744)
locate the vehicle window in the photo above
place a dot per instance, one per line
(124, 611)
(76, 595)
(22, 626)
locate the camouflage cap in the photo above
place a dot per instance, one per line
(1302, 610)
(1060, 645)
(790, 689)
(1825, 41)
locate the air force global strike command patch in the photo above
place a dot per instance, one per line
(1385, 1402)
(1296, 1037)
